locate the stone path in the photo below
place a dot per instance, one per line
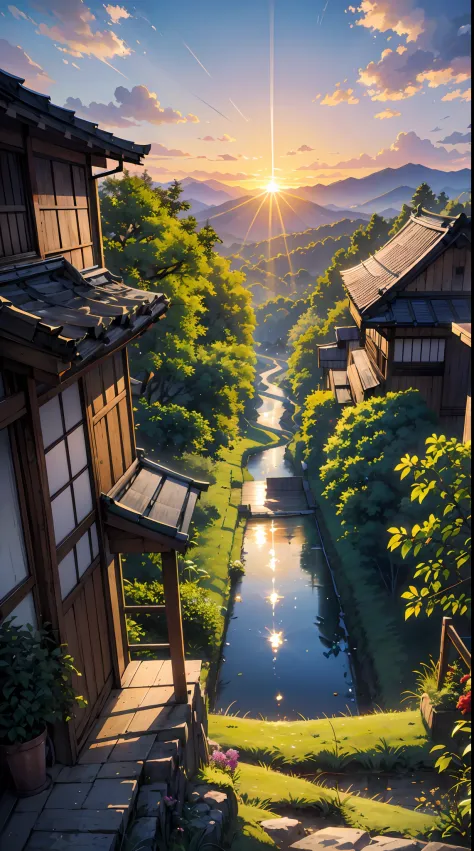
(141, 735)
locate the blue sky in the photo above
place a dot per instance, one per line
(358, 87)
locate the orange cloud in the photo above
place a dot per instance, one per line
(387, 113)
(73, 29)
(458, 94)
(340, 96)
(137, 104)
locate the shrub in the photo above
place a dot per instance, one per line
(236, 570)
(202, 620)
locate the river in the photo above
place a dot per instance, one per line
(285, 653)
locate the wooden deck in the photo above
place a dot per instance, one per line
(276, 497)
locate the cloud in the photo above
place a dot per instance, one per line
(435, 130)
(163, 171)
(16, 61)
(159, 150)
(407, 148)
(137, 104)
(464, 30)
(291, 153)
(303, 149)
(19, 15)
(229, 158)
(387, 113)
(74, 28)
(458, 94)
(456, 138)
(224, 138)
(340, 96)
(436, 50)
(116, 13)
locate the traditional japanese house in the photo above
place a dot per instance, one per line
(404, 300)
(76, 491)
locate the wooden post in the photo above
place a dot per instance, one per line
(174, 621)
(443, 652)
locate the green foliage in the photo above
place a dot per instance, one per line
(35, 682)
(443, 535)
(455, 819)
(201, 617)
(202, 357)
(319, 417)
(401, 219)
(358, 473)
(425, 197)
(236, 570)
(276, 317)
(427, 683)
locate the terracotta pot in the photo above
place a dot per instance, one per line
(27, 764)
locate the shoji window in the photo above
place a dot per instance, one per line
(419, 350)
(13, 560)
(67, 465)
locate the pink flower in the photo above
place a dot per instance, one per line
(169, 802)
(219, 759)
(232, 755)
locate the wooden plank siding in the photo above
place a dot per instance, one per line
(456, 382)
(430, 387)
(64, 209)
(444, 275)
(16, 232)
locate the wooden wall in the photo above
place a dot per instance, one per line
(63, 209)
(441, 275)
(109, 398)
(16, 235)
(457, 373)
(430, 387)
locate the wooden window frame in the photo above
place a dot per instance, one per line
(27, 208)
(404, 341)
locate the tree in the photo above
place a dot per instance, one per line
(211, 321)
(441, 202)
(401, 220)
(442, 477)
(303, 363)
(358, 470)
(424, 197)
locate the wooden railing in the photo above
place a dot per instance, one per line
(450, 636)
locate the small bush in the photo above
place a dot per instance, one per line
(202, 620)
(236, 570)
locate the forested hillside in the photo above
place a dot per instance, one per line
(202, 364)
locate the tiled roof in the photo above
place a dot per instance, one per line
(422, 311)
(421, 240)
(19, 102)
(51, 307)
(156, 500)
(332, 356)
(346, 332)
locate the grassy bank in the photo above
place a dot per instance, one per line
(221, 540)
(301, 742)
(388, 648)
(265, 789)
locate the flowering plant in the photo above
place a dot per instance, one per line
(227, 762)
(464, 702)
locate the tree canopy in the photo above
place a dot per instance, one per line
(201, 356)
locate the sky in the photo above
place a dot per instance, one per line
(249, 91)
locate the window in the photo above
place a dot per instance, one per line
(419, 350)
(74, 565)
(64, 441)
(16, 236)
(24, 613)
(13, 560)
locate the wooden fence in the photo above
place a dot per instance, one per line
(450, 636)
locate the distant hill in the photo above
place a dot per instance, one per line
(196, 207)
(205, 194)
(249, 218)
(275, 246)
(357, 190)
(394, 200)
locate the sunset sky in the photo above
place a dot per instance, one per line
(357, 88)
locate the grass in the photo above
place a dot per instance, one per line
(300, 742)
(221, 541)
(282, 791)
(251, 837)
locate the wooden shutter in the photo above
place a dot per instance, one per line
(16, 235)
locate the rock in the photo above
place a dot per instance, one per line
(198, 824)
(283, 831)
(217, 801)
(213, 746)
(202, 789)
(150, 798)
(193, 796)
(160, 770)
(216, 816)
(340, 838)
(394, 843)
(201, 809)
(142, 834)
(441, 846)
(213, 832)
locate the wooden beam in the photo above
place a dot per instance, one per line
(443, 652)
(12, 408)
(136, 530)
(458, 643)
(175, 624)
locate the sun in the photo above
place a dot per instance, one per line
(272, 186)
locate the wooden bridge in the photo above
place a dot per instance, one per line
(277, 497)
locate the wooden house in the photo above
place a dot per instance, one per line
(404, 300)
(76, 490)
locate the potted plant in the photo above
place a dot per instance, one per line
(439, 707)
(35, 690)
